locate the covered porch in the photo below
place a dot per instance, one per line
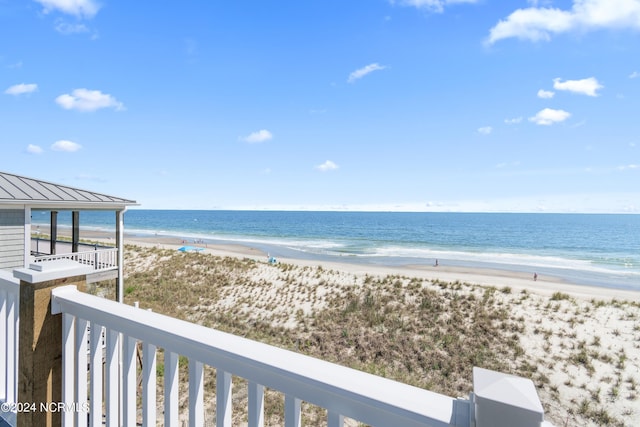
(23, 241)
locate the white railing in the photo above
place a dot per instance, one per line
(99, 259)
(344, 392)
(9, 324)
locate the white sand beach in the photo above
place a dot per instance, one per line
(583, 342)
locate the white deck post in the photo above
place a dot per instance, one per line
(503, 400)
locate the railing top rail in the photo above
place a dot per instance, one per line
(344, 390)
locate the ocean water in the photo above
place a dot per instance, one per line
(598, 250)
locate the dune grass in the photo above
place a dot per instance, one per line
(427, 334)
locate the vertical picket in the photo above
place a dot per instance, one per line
(170, 389)
(196, 393)
(223, 398)
(148, 385)
(292, 416)
(256, 405)
(112, 406)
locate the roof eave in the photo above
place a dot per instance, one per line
(65, 205)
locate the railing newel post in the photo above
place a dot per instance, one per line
(40, 346)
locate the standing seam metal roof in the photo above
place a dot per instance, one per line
(14, 188)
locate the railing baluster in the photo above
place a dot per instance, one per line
(12, 346)
(129, 348)
(112, 375)
(334, 420)
(373, 401)
(100, 259)
(81, 371)
(96, 374)
(196, 393)
(148, 385)
(292, 411)
(5, 347)
(68, 362)
(170, 389)
(256, 405)
(223, 398)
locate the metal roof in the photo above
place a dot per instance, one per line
(16, 189)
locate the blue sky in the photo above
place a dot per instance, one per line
(434, 105)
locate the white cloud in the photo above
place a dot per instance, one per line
(634, 75)
(327, 166)
(64, 145)
(588, 86)
(79, 8)
(34, 149)
(360, 73)
(540, 23)
(513, 121)
(430, 5)
(88, 100)
(628, 167)
(21, 88)
(66, 28)
(545, 94)
(549, 116)
(257, 137)
(485, 130)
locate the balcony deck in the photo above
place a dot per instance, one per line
(103, 259)
(110, 375)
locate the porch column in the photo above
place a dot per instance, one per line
(40, 344)
(54, 232)
(27, 236)
(120, 246)
(75, 230)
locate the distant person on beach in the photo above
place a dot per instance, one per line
(436, 264)
(535, 277)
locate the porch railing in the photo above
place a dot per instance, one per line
(343, 392)
(99, 259)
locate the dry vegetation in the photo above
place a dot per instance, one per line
(428, 334)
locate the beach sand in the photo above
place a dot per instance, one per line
(584, 341)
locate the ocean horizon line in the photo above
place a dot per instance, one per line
(517, 212)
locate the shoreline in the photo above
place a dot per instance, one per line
(546, 284)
